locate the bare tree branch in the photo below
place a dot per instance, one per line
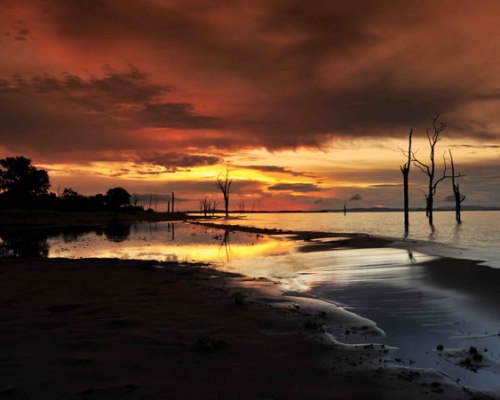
(224, 185)
(430, 169)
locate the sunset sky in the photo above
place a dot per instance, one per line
(307, 103)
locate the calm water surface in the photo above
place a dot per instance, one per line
(476, 238)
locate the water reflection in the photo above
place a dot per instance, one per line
(116, 231)
(38, 242)
(171, 229)
(226, 244)
(166, 241)
(27, 245)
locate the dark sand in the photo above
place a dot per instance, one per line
(111, 329)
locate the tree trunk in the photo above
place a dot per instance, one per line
(173, 201)
(226, 205)
(458, 209)
(430, 211)
(405, 170)
(406, 200)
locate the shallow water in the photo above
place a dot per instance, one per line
(418, 304)
(162, 241)
(476, 238)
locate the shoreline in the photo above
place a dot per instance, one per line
(13, 220)
(106, 328)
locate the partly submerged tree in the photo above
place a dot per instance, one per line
(459, 197)
(224, 185)
(117, 197)
(430, 169)
(405, 170)
(20, 180)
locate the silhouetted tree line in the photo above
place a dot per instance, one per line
(24, 186)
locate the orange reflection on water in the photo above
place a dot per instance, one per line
(172, 242)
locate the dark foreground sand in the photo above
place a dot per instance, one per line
(112, 329)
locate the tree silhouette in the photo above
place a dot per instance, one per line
(459, 197)
(430, 169)
(68, 193)
(21, 180)
(117, 197)
(205, 206)
(405, 170)
(224, 185)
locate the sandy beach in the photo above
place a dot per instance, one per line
(113, 329)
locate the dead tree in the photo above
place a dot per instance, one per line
(213, 206)
(459, 197)
(173, 201)
(224, 185)
(430, 169)
(205, 206)
(405, 170)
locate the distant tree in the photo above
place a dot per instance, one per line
(213, 206)
(117, 197)
(68, 193)
(405, 170)
(459, 197)
(430, 169)
(20, 179)
(205, 206)
(224, 185)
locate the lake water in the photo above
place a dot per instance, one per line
(418, 304)
(477, 237)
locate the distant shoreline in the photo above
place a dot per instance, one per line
(14, 219)
(352, 210)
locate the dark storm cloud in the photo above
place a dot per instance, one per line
(61, 112)
(295, 187)
(275, 168)
(175, 115)
(116, 87)
(284, 73)
(173, 161)
(397, 90)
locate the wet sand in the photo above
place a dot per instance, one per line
(114, 329)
